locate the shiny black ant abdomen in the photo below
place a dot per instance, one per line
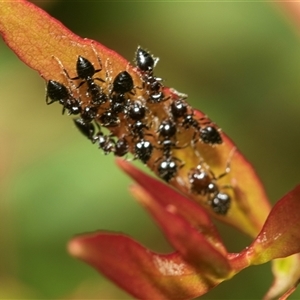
(167, 129)
(179, 109)
(136, 111)
(122, 84)
(87, 129)
(210, 135)
(143, 150)
(57, 92)
(121, 147)
(144, 60)
(168, 167)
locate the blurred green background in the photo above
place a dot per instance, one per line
(239, 62)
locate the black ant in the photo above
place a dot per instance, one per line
(144, 60)
(167, 129)
(89, 113)
(121, 147)
(210, 135)
(146, 63)
(105, 142)
(143, 150)
(87, 129)
(143, 147)
(58, 92)
(86, 71)
(136, 111)
(207, 133)
(205, 183)
(122, 84)
(168, 165)
(109, 119)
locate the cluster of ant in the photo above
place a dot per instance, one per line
(143, 132)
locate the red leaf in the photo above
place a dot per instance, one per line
(36, 38)
(141, 272)
(186, 239)
(280, 235)
(167, 197)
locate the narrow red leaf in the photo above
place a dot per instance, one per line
(167, 197)
(280, 235)
(141, 272)
(37, 38)
(186, 239)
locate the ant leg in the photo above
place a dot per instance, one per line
(99, 79)
(180, 161)
(66, 72)
(108, 70)
(228, 163)
(135, 87)
(62, 66)
(63, 110)
(99, 60)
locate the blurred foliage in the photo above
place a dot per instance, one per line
(239, 63)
